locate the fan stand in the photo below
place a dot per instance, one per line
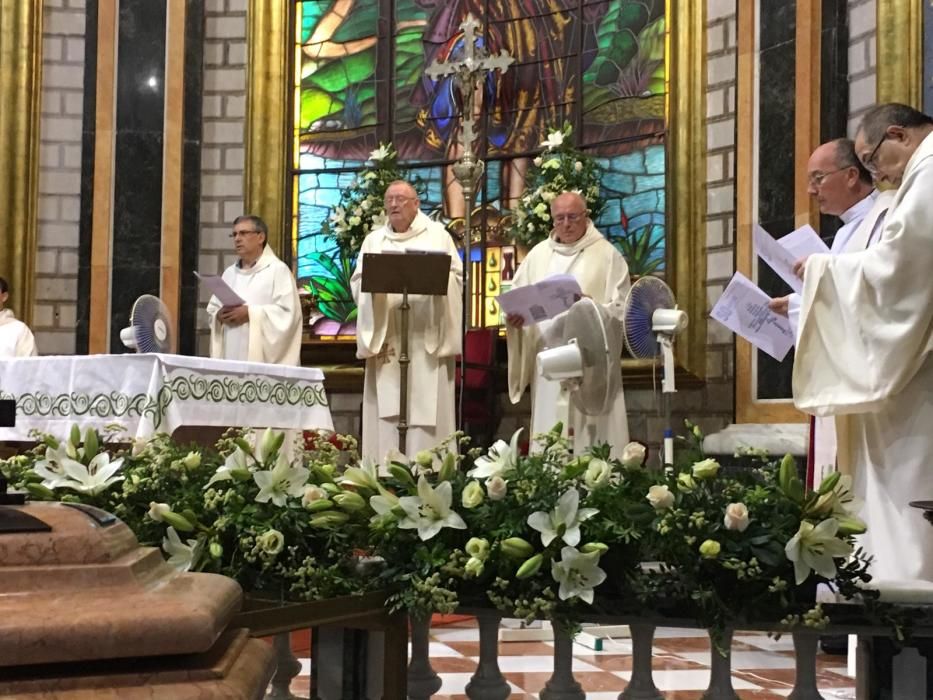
(667, 388)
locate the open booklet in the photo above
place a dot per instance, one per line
(743, 309)
(220, 289)
(783, 253)
(543, 300)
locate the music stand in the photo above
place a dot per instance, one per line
(412, 272)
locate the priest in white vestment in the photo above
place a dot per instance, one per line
(16, 340)
(267, 328)
(574, 247)
(864, 351)
(435, 335)
(844, 188)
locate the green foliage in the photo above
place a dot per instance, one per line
(331, 292)
(560, 168)
(643, 249)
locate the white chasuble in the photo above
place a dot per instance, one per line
(434, 340)
(16, 340)
(273, 332)
(864, 356)
(602, 273)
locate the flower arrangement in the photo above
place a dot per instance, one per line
(524, 529)
(270, 515)
(361, 208)
(559, 168)
(734, 548)
(543, 535)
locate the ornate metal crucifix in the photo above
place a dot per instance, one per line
(469, 73)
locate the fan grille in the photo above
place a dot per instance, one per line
(151, 325)
(646, 296)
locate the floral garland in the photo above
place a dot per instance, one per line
(560, 168)
(543, 535)
(361, 208)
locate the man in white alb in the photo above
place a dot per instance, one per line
(844, 188)
(16, 340)
(267, 328)
(864, 348)
(435, 335)
(576, 248)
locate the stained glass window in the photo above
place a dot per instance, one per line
(598, 65)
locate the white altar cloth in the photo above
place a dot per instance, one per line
(151, 393)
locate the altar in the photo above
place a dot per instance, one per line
(150, 393)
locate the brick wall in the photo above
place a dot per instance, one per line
(62, 107)
(222, 152)
(862, 59)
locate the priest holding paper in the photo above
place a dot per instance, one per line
(264, 323)
(435, 335)
(576, 248)
(844, 188)
(864, 349)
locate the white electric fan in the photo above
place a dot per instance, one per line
(150, 329)
(651, 319)
(586, 361)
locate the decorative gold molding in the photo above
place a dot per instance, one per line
(268, 116)
(173, 160)
(686, 188)
(900, 51)
(20, 91)
(748, 409)
(102, 212)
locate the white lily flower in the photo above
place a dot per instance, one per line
(379, 154)
(553, 140)
(430, 511)
(578, 574)
(279, 483)
(499, 461)
(97, 476)
(365, 476)
(814, 547)
(564, 521)
(52, 468)
(182, 556)
(237, 459)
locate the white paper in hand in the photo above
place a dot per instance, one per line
(743, 309)
(538, 302)
(220, 289)
(777, 257)
(803, 242)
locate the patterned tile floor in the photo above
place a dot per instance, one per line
(762, 667)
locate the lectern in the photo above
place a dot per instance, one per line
(412, 272)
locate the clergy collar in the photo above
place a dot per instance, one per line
(261, 262)
(589, 238)
(6, 316)
(858, 210)
(418, 225)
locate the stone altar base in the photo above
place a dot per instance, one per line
(85, 612)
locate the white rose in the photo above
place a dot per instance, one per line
(705, 469)
(633, 455)
(156, 510)
(597, 473)
(578, 166)
(496, 488)
(354, 221)
(271, 541)
(736, 517)
(660, 497)
(538, 161)
(312, 494)
(366, 204)
(548, 196)
(192, 460)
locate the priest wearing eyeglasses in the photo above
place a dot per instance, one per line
(865, 346)
(577, 248)
(267, 328)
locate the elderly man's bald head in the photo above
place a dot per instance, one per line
(568, 212)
